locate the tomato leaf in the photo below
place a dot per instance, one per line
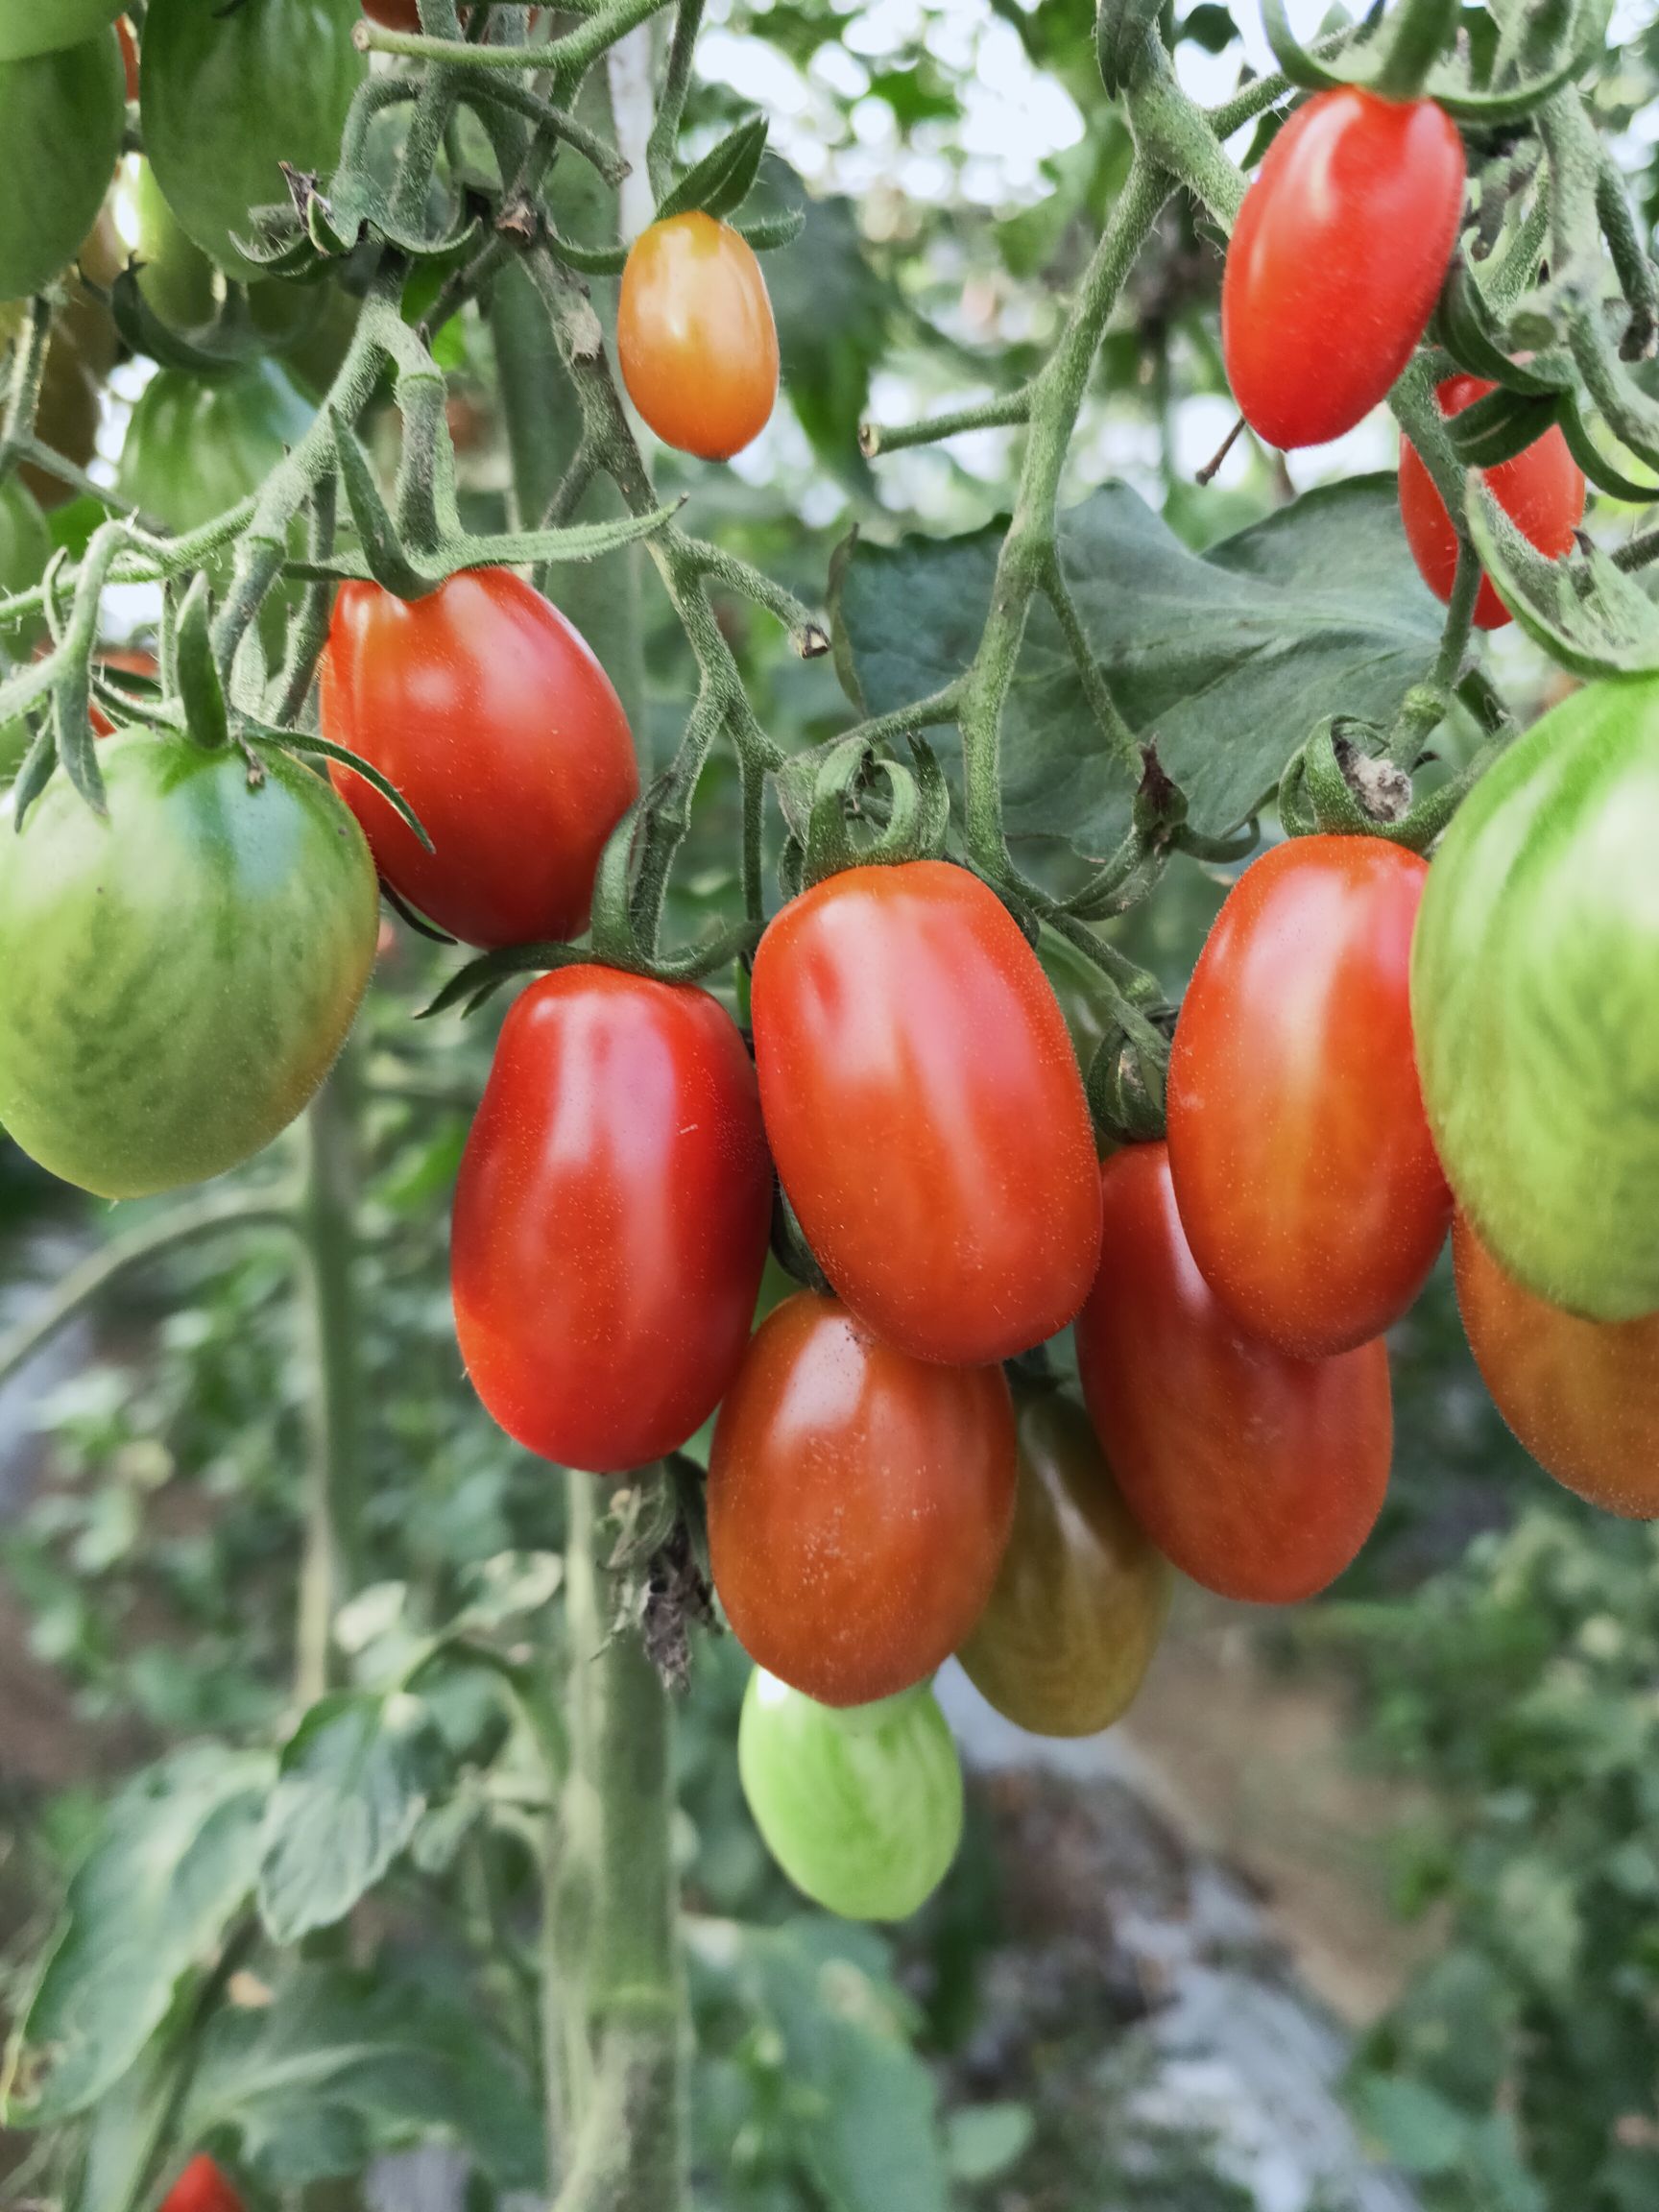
(724, 177)
(1228, 657)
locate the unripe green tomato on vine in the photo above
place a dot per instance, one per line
(197, 445)
(61, 116)
(177, 279)
(861, 1806)
(1533, 1004)
(47, 25)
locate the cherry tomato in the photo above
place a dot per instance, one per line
(61, 116)
(1258, 1475)
(611, 1217)
(1310, 1190)
(488, 712)
(1336, 260)
(859, 1502)
(695, 336)
(1582, 1396)
(1541, 490)
(1079, 1606)
(202, 2187)
(925, 1110)
(862, 1809)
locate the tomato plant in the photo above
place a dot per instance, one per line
(1259, 1476)
(1530, 972)
(1308, 1187)
(861, 1809)
(1541, 490)
(926, 1111)
(1336, 260)
(611, 1218)
(859, 1502)
(487, 709)
(202, 2187)
(1068, 1635)
(695, 338)
(61, 116)
(179, 978)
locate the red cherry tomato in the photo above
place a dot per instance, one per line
(487, 711)
(202, 2187)
(925, 1110)
(695, 336)
(859, 1502)
(612, 1216)
(1541, 490)
(1336, 260)
(1310, 1190)
(1582, 1396)
(1258, 1475)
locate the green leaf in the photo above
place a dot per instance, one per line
(342, 2066)
(984, 2141)
(1420, 2131)
(149, 1907)
(835, 316)
(724, 177)
(354, 1784)
(1228, 657)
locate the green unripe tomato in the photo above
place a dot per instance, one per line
(227, 95)
(61, 115)
(197, 445)
(44, 26)
(1534, 1007)
(177, 980)
(25, 549)
(176, 278)
(860, 1805)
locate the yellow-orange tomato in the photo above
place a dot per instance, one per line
(694, 330)
(1582, 1396)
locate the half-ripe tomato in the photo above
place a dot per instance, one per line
(61, 116)
(1336, 260)
(1532, 982)
(1259, 1476)
(695, 336)
(861, 1808)
(1070, 1631)
(1308, 1187)
(859, 1502)
(488, 712)
(1582, 1396)
(1541, 490)
(611, 1217)
(202, 2187)
(176, 981)
(925, 1110)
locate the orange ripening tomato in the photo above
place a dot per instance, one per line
(202, 2187)
(611, 1217)
(1582, 1396)
(487, 709)
(926, 1111)
(695, 336)
(1258, 1475)
(1540, 489)
(1309, 1185)
(1336, 260)
(859, 1502)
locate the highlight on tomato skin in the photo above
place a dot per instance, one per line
(696, 338)
(202, 2187)
(1336, 260)
(1541, 488)
(1581, 1396)
(859, 1503)
(1309, 1185)
(1258, 1475)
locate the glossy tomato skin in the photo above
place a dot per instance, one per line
(1541, 490)
(176, 981)
(861, 1808)
(859, 1502)
(61, 115)
(1532, 971)
(202, 2187)
(696, 338)
(1063, 1644)
(1336, 260)
(195, 446)
(488, 712)
(1309, 1187)
(1256, 1475)
(1581, 1396)
(611, 1217)
(925, 1110)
